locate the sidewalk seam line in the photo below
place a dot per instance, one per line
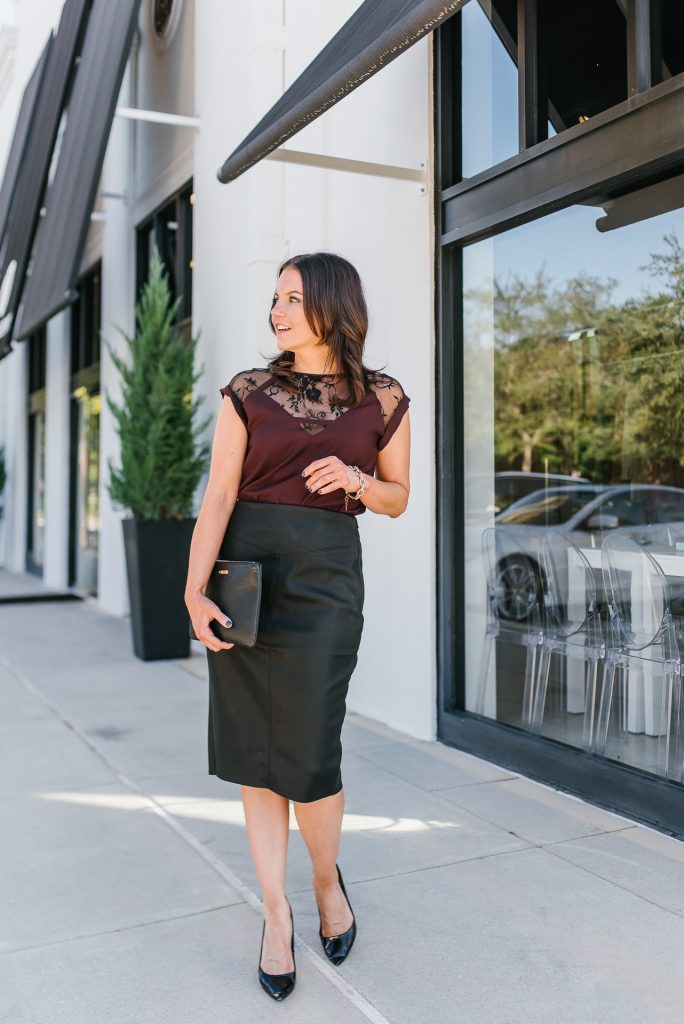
(122, 928)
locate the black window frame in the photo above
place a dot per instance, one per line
(618, 152)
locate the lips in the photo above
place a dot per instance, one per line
(282, 328)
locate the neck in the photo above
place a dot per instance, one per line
(313, 362)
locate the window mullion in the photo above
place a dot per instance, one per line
(532, 100)
(643, 45)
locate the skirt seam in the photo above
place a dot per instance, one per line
(269, 685)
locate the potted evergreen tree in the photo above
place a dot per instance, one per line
(162, 461)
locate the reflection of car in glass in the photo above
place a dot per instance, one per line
(512, 485)
(487, 493)
(584, 513)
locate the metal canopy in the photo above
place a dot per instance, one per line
(70, 199)
(59, 59)
(15, 160)
(21, 134)
(376, 33)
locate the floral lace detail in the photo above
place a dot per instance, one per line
(316, 399)
(246, 381)
(388, 392)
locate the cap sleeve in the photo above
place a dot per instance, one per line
(393, 402)
(240, 386)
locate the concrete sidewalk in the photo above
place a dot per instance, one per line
(127, 892)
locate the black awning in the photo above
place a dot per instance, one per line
(376, 33)
(24, 207)
(27, 111)
(70, 199)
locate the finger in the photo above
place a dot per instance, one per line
(319, 464)
(328, 482)
(207, 635)
(331, 487)
(325, 476)
(220, 615)
(217, 645)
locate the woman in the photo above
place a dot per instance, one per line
(303, 447)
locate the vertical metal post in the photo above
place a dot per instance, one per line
(532, 99)
(644, 45)
(447, 86)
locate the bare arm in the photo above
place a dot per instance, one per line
(227, 456)
(387, 492)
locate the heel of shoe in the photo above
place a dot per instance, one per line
(337, 947)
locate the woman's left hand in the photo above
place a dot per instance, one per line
(331, 474)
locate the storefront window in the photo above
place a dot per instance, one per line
(170, 229)
(574, 435)
(86, 412)
(584, 53)
(85, 434)
(489, 85)
(35, 540)
(671, 35)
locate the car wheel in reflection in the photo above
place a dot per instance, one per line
(518, 586)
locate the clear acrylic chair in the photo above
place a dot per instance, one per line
(513, 608)
(572, 629)
(642, 683)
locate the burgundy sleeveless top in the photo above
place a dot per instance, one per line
(288, 429)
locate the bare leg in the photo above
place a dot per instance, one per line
(267, 815)
(320, 823)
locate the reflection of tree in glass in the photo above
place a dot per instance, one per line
(89, 461)
(583, 384)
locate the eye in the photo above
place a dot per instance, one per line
(294, 298)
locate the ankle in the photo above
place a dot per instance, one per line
(325, 880)
(276, 906)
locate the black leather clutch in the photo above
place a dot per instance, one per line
(236, 588)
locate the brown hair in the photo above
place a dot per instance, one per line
(335, 309)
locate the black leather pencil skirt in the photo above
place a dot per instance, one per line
(276, 709)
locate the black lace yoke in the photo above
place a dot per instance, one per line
(290, 428)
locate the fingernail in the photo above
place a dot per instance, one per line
(307, 487)
(229, 622)
(303, 472)
(320, 491)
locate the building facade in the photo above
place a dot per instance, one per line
(508, 189)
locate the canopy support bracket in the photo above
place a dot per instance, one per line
(340, 163)
(157, 117)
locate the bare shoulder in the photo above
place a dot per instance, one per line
(245, 381)
(387, 390)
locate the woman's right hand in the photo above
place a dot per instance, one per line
(202, 612)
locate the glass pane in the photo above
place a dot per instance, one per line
(672, 27)
(87, 522)
(574, 430)
(37, 552)
(489, 87)
(584, 45)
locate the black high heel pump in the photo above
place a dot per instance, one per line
(278, 986)
(337, 947)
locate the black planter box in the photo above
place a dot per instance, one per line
(157, 553)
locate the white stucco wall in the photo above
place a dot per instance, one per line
(244, 56)
(243, 230)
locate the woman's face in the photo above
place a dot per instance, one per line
(293, 333)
